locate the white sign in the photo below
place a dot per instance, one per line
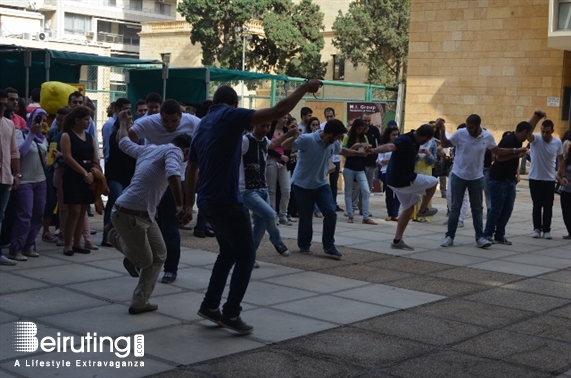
(554, 102)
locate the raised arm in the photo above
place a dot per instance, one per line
(190, 183)
(534, 120)
(285, 140)
(444, 141)
(389, 147)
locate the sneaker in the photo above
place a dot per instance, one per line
(338, 209)
(199, 234)
(401, 245)
(547, 235)
(139, 310)
(92, 231)
(282, 249)
(334, 253)
(46, 237)
(209, 234)
(131, 268)
(460, 224)
(236, 325)
(168, 278)
(503, 241)
(291, 219)
(427, 213)
(6, 261)
(284, 221)
(256, 265)
(212, 315)
(483, 243)
(536, 234)
(447, 242)
(304, 250)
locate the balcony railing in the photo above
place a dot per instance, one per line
(115, 38)
(131, 5)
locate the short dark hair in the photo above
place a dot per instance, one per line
(121, 101)
(334, 127)
(153, 97)
(461, 126)
(523, 126)
(74, 94)
(64, 110)
(35, 94)
(170, 107)
(305, 111)
(3, 94)
(329, 110)
(225, 95)
(182, 140)
(548, 123)
(10, 90)
(8, 110)
(139, 103)
(365, 114)
(425, 130)
(204, 108)
(474, 118)
(90, 104)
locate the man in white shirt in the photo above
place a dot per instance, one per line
(471, 144)
(544, 149)
(161, 129)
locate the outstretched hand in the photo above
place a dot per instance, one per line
(313, 85)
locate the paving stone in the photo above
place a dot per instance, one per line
(560, 276)
(409, 265)
(366, 273)
(264, 294)
(269, 270)
(389, 296)
(316, 282)
(450, 364)
(541, 353)
(564, 312)
(551, 288)
(46, 259)
(181, 305)
(483, 314)
(511, 267)
(65, 274)
(191, 278)
(477, 276)
(5, 318)
(422, 328)
(517, 299)
(119, 289)
(181, 373)
(550, 327)
(540, 260)
(436, 285)
(13, 283)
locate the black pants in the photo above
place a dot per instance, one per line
(333, 180)
(542, 196)
(566, 210)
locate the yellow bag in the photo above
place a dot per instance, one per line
(54, 95)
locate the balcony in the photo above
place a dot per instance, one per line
(118, 39)
(559, 28)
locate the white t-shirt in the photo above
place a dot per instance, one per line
(151, 128)
(470, 152)
(245, 146)
(543, 156)
(334, 158)
(383, 156)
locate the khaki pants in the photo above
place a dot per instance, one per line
(141, 242)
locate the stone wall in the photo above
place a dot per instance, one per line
(488, 57)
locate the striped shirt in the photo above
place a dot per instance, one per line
(155, 164)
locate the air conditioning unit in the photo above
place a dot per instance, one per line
(26, 36)
(89, 35)
(41, 36)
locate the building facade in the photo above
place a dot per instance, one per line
(500, 59)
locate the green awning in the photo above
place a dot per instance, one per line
(64, 57)
(221, 74)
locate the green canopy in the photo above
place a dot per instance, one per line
(64, 57)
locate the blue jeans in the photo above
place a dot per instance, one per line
(502, 195)
(168, 223)
(4, 197)
(257, 201)
(475, 188)
(233, 230)
(115, 190)
(348, 176)
(391, 199)
(333, 180)
(306, 200)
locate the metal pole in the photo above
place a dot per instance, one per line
(47, 64)
(27, 64)
(243, 65)
(165, 77)
(400, 104)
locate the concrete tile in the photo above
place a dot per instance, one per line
(477, 276)
(564, 312)
(450, 258)
(410, 265)
(551, 288)
(264, 294)
(550, 327)
(191, 278)
(182, 305)
(450, 364)
(316, 260)
(7, 347)
(44, 260)
(269, 270)
(101, 254)
(510, 267)
(358, 347)
(112, 320)
(13, 283)
(383, 248)
(334, 309)
(5, 317)
(46, 302)
(179, 344)
(539, 260)
(389, 296)
(366, 273)
(486, 253)
(120, 289)
(63, 275)
(517, 299)
(197, 257)
(565, 375)
(561, 276)
(482, 314)
(437, 285)
(522, 349)
(316, 282)
(559, 252)
(115, 265)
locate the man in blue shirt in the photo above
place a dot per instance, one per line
(216, 152)
(119, 105)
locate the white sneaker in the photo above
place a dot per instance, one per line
(6, 261)
(447, 242)
(536, 234)
(483, 243)
(547, 235)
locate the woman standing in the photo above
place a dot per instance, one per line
(30, 197)
(80, 155)
(355, 170)
(392, 202)
(276, 172)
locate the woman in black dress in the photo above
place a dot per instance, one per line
(80, 155)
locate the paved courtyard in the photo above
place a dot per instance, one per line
(433, 312)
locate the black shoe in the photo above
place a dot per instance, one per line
(338, 209)
(148, 308)
(213, 316)
(90, 213)
(68, 253)
(106, 244)
(209, 233)
(168, 277)
(334, 253)
(85, 251)
(503, 241)
(236, 325)
(131, 268)
(199, 234)
(92, 231)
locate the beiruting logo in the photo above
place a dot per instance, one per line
(25, 340)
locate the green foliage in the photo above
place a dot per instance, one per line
(375, 33)
(292, 43)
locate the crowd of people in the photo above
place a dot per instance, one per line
(251, 171)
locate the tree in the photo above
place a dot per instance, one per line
(375, 33)
(291, 45)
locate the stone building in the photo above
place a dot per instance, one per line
(501, 59)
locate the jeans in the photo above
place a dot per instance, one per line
(233, 230)
(502, 195)
(257, 201)
(115, 190)
(566, 210)
(457, 189)
(281, 175)
(486, 192)
(391, 199)
(306, 199)
(4, 197)
(334, 180)
(201, 223)
(168, 223)
(349, 175)
(30, 200)
(542, 196)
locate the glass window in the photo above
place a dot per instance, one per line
(77, 24)
(136, 5)
(162, 8)
(564, 16)
(338, 68)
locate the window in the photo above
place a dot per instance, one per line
(564, 22)
(103, 26)
(338, 68)
(77, 24)
(110, 3)
(129, 34)
(136, 5)
(163, 8)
